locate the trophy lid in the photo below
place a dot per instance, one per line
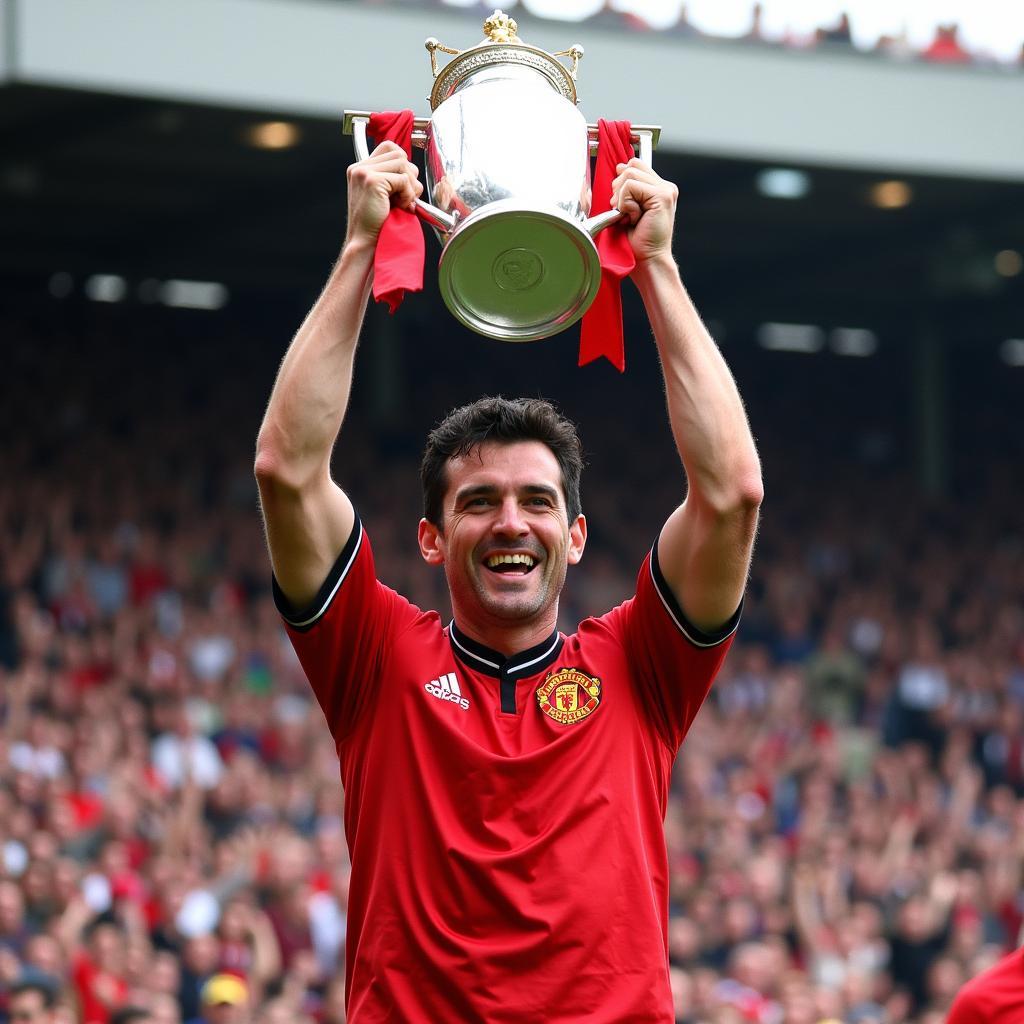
(501, 45)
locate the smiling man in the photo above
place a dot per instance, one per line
(505, 784)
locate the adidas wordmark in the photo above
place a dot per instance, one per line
(447, 688)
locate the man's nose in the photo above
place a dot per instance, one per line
(510, 521)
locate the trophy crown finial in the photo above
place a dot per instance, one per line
(500, 28)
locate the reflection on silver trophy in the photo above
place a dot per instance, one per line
(508, 181)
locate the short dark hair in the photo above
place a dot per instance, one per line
(47, 992)
(505, 420)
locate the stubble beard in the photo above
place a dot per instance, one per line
(516, 607)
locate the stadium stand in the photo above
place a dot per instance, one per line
(836, 35)
(845, 831)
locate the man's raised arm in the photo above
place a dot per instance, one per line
(705, 547)
(308, 517)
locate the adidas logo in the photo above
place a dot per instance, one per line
(447, 688)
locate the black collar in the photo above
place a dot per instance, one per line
(494, 663)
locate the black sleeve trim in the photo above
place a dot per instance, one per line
(303, 619)
(696, 636)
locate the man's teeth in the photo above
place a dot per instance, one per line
(495, 560)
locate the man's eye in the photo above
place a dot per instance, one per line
(544, 502)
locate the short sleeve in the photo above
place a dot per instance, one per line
(342, 636)
(965, 1010)
(674, 663)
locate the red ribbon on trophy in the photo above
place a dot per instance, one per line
(601, 332)
(398, 260)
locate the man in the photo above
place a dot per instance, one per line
(31, 1002)
(224, 999)
(506, 785)
(162, 1008)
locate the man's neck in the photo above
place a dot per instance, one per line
(507, 638)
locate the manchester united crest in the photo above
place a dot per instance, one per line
(569, 695)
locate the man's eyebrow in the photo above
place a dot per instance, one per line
(547, 489)
(475, 491)
(481, 490)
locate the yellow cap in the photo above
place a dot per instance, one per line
(224, 988)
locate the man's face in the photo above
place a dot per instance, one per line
(225, 1013)
(12, 908)
(28, 1008)
(506, 539)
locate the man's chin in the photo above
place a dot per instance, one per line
(506, 598)
(512, 601)
(516, 613)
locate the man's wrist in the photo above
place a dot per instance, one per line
(355, 258)
(358, 249)
(655, 270)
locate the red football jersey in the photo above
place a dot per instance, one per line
(995, 996)
(504, 814)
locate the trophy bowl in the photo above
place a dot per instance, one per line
(507, 155)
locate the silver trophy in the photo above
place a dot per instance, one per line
(508, 179)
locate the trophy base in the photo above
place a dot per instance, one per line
(517, 274)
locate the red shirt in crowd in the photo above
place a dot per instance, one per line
(99, 991)
(995, 996)
(945, 49)
(504, 814)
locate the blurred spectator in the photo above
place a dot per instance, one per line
(755, 34)
(945, 48)
(224, 1000)
(30, 1002)
(200, 958)
(896, 46)
(922, 931)
(180, 752)
(838, 34)
(14, 931)
(610, 17)
(98, 969)
(682, 25)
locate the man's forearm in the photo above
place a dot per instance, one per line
(310, 395)
(708, 420)
(308, 518)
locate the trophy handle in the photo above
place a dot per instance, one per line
(645, 142)
(431, 214)
(576, 53)
(433, 45)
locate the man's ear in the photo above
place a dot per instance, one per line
(577, 539)
(431, 541)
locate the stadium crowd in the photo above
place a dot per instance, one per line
(946, 45)
(846, 829)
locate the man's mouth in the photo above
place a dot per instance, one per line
(510, 565)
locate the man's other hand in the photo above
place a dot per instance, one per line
(384, 179)
(649, 203)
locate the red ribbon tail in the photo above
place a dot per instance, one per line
(393, 297)
(601, 332)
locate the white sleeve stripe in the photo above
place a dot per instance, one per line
(675, 618)
(330, 597)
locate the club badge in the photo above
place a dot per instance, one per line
(569, 695)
